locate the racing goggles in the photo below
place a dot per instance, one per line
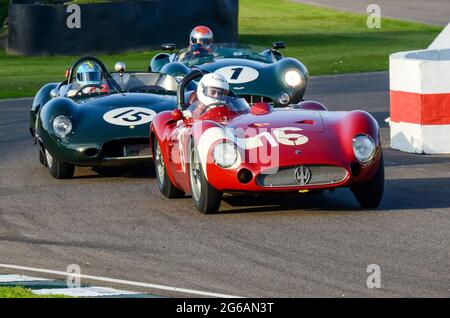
(215, 92)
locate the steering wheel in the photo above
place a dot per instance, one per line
(79, 90)
(214, 105)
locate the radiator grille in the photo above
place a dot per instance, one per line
(319, 175)
(126, 147)
(251, 99)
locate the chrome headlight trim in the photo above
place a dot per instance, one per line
(62, 126)
(284, 99)
(225, 154)
(363, 148)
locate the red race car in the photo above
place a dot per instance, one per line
(231, 147)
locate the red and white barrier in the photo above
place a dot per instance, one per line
(420, 101)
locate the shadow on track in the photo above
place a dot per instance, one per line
(431, 193)
(143, 171)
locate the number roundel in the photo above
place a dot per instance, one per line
(288, 136)
(129, 116)
(238, 74)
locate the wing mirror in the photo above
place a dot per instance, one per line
(120, 67)
(278, 45)
(177, 115)
(261, 109)
(168, 47)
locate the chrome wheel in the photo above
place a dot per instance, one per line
(159, 162)
(49, 158)
(195, 175)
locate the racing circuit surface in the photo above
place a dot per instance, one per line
(120, 226)
(435, 12)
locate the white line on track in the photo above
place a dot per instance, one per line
(119, 281)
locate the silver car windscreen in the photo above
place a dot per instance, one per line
(145, 82)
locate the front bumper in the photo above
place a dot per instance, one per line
(117, 152)
(322, 176)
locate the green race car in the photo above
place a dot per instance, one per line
(96, 118)
(258, 76)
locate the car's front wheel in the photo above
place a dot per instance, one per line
(164, 184)
(41, 155)
(369, 194)
(206, 198)
(58, 169)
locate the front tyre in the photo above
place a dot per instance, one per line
(164, 184)
(369, 194)
(41, 155)
(58, 169)
(206, 198)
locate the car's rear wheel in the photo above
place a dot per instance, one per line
(369, 194)
(164, 184)
(206, 198)
(58, 169)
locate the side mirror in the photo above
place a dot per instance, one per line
(168, 47)
(278, 45)
(120, 67)
(261, 109)
(177, 115)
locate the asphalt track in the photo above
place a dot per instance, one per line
(118, 225)
(435, 12)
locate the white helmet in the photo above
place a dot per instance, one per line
(201, 35)
(212, 88)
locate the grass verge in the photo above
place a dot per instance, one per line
(325, 40)
(20, 292)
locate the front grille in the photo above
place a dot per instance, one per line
(119, 148)
(251, 99)
(319, 175)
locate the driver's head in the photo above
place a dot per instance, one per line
(89, 73)
(212, 89)
(202, 35)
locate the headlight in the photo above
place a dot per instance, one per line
(225, 154)
(364, 148)
(62, 126)
(292, 78)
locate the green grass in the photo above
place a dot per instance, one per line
(23, 76)
(325, 40)
(92, 1)
(329, 41)
(20, 292)
(79, 1)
